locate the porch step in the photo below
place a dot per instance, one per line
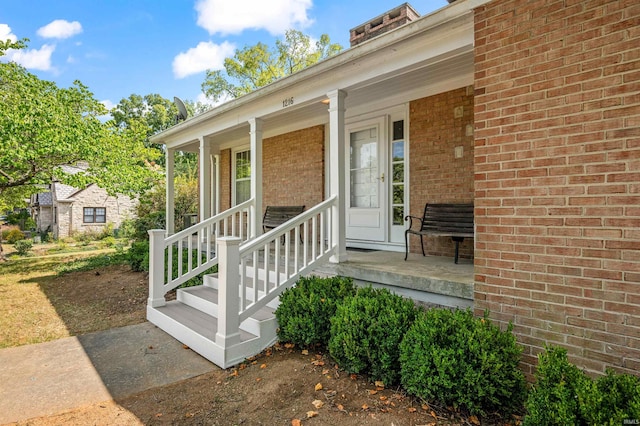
(197, 330)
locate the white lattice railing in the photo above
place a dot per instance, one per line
(253, 273)
(194, 249)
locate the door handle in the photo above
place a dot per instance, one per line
(382, 177)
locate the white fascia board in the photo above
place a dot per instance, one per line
(411, 46)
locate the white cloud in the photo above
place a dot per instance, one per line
(206, 55)
(6, 34)
(203, 99)
(36, 59)
(233, 17)
(108, 104)
(60, 29)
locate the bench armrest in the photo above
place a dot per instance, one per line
(410, 219)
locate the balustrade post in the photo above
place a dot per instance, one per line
(228, 249)
(156, 268)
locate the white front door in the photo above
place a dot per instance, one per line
(366, 195)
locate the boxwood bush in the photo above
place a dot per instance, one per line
(456, 359)
(305, 310)
(563, 394)
(366, 332)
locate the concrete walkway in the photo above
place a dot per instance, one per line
(48, 378)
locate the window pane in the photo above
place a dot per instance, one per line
(398, 173)
(243, 191)
(88, 215)
(243, 165)
(398, 151)
(101, 215)
(398, 130)
(398, 194)
(398, 213)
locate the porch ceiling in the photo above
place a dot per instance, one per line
(415, 82)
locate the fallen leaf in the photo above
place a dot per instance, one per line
(185, 347)
(289, 345)
(242, 366)
(379, 384)
(263, 366)
(365, 407)
(372, 392)
(296, 422)
(425, 407)
(325, 371)
(311, 414)
(258, 379)
(318, 404)
(318, 387)
(159, 415)
(412, 409)
(474, 420)
(305, 352)
(234, 373)
(317, 362)
(383, 398)
(354, 376)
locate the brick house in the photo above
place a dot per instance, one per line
(529, 109)
(65, 210)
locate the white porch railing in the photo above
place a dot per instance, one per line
(254, 273)
(197, 243)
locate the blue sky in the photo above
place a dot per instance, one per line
(121, 47)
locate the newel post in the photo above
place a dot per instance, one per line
(228, 291)
(156, 268)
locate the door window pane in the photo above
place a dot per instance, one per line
(242, 176)
(364, 168)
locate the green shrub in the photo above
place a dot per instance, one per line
(305, 310)
(564, 395)
(108, 241)
(138, 256)
(458, 360)
(366, 332)
(14, 235)
(23, 246)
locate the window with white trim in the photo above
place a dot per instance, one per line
(94, 215)
(242, 176)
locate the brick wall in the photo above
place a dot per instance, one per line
(438, 124)
(557, 153)
(292, 169)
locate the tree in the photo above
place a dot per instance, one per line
(255, 66)
(43, 127)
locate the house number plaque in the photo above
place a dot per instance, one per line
(287, 102)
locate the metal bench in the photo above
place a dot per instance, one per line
(442, 220)
(275, 216)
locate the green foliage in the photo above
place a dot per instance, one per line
(13, 235)
(366, 332)
(306, 309)
(91, 263)
(23, 246)
(108, 241)
(43, 127)
(563, 394)
(458, 360)
(138, 256)
(256, 66)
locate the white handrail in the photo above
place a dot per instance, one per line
(236, 222)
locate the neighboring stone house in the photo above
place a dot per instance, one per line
(65, 210)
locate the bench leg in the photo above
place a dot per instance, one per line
(457, 240)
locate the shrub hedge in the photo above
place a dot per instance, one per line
(305, 310)
(459, 360)
(564, 395)
(366, 332)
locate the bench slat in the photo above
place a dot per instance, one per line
(446, 219)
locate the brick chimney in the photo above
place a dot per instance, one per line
(381, 24)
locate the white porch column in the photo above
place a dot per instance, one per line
(228, 333)
(215, 184)
(337, 169)
(170, 207)
(205, 179)
(256, 175)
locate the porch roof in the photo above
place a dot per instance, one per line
(428, 56)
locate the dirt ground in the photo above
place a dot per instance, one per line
(281, 386)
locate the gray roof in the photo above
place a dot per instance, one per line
(45, 199)
(64, 191)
